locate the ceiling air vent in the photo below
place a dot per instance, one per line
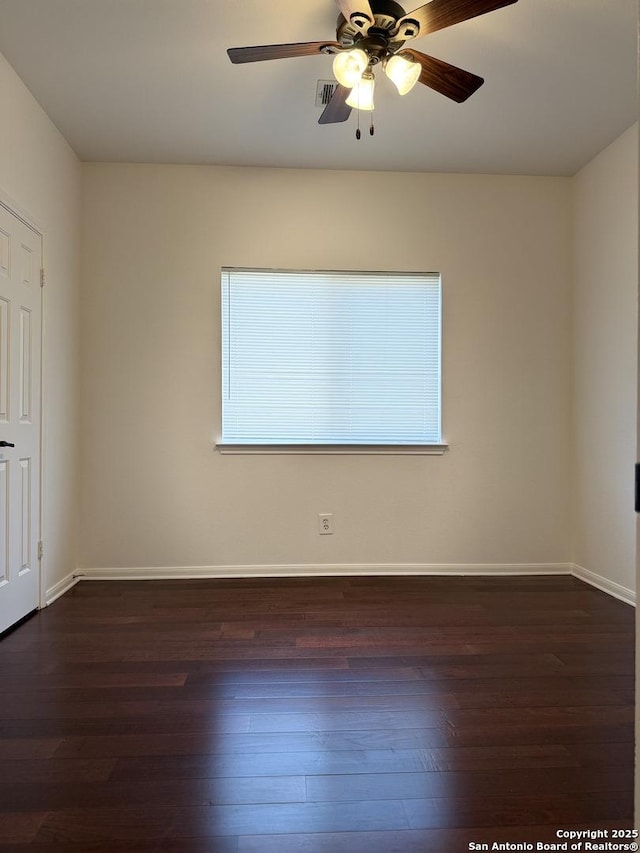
(324, 92)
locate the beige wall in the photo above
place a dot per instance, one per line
(40, 172)
(605, 344)
(155, 493)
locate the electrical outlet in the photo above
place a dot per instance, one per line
(325, 523)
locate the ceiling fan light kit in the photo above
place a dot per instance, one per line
(403, 72)
(361, 96)
(372, 32)
(349, 66)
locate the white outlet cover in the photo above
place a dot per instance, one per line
(325, 523)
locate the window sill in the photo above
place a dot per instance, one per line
(333, 449)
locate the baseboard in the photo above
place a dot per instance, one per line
(60, 588)
(323, 570)
(340, 570)
(604, 584)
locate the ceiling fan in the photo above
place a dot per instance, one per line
(373, 33)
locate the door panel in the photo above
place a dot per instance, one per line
(4, 523)
(25, 366)
(4, 360)
(20, 342)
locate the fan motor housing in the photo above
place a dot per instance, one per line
(386, 14)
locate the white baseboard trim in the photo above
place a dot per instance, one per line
(60, 588)
(340, 570)
(324, 570)
(604, 584)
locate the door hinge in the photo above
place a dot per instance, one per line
(40, 549)
(42, 277)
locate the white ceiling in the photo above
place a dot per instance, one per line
(149, 81)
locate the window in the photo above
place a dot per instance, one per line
(330, 358)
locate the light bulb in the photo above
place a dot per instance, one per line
(403, 72)
(361, 97)
(349, 65)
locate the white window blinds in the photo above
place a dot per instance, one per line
(330, 357)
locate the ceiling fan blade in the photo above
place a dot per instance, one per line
(262, 52)
(337, 109)
(449, 80)
(358, 8)
(439, 14)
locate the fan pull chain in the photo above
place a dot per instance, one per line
(372, 129)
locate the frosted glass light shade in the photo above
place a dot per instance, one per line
(349, 66)
(403, 72)
(361, 97)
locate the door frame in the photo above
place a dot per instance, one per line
(16, 209)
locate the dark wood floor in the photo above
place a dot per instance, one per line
(340, 714)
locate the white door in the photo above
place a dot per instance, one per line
(20, 343)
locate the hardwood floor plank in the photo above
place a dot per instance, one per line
(380, 696)
(252, 743)
(96, 825)
(548, 717)
(88, 826)
(96, 677)
(530, 810)
(602, 754)
(288, 763)
(28, 748)
(344, 721)
(19, 827)
(457, 784)
(308, 673)
(112, 725)
(161, 792)
(55, 771)
(15, 707)
(490, 736)
(498, 756)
